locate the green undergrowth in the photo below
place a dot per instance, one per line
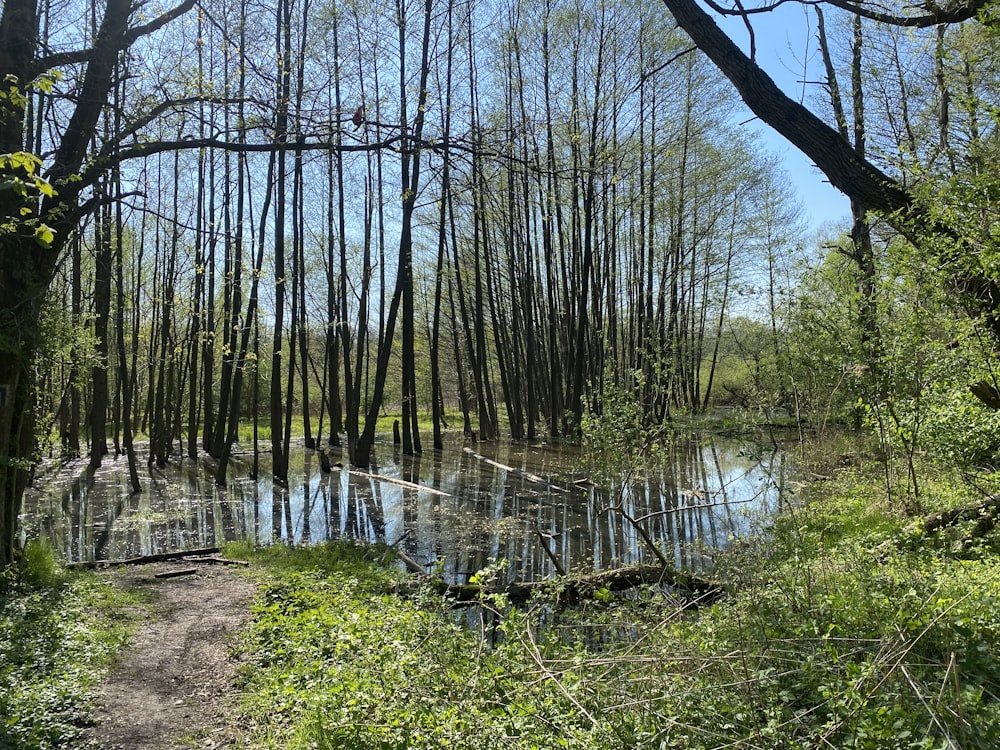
(843, 629)
(851, 630)
(338, 661)
(59, 633)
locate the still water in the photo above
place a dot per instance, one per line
(458, 509)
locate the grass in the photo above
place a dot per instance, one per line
(846, 633)
(337, 662)
(842, 631)
(383, 426)
(59, 633)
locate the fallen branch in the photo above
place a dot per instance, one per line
(575, 589)
(985, 514)
(543, 540)
(176, 573)
(203, 555)
(954, 516)
(412, 565)
(218, 561)
(517, 472)
(400, 482)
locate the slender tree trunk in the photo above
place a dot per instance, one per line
(102, 312)
(589, 210)
(279, 457)
(352, 370)
(71, 440)
(404, 280)
(250, 329)
(299, 235)
(862, 252)
(232, 292)
(161, 427)
(437, 405)
(333, 329)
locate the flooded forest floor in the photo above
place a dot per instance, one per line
(313, 646)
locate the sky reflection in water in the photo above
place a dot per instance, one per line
(458, 508)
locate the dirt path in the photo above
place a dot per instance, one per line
(175, 688)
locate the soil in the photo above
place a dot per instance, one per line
(176, 688)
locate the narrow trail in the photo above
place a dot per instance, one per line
(175, 689)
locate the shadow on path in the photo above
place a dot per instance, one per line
(175, 689)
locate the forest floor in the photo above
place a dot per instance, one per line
(176, 686)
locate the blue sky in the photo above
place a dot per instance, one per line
(787, 50)
(821, 202)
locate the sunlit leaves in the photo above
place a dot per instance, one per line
(53, 648)
(44, 235)
(21, 184)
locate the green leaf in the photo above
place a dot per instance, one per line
(45, 236)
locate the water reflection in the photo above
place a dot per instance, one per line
(459, 509)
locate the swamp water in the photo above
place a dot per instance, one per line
(460, 509)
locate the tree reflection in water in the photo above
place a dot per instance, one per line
(457, 509)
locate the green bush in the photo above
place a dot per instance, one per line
(58, 635)
(843, 629)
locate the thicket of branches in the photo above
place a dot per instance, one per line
(541, 198)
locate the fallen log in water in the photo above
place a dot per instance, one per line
(573, 589)
(517, 472)
(400, 482)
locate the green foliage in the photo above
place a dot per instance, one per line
(846, 638)
(62, 342)
(21, 183)
(337, 662)
(844, 630)
(617, 435)
(38, 565)
(824, 345)
(58, 634)
(749, 374)
(907, 375)
(959, 429)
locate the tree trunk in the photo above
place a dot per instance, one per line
(437, 401)
(279, 458)
(27, 266)
(846, 169)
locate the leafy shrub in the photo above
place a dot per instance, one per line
(58, 634)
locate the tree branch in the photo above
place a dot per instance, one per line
(934, 15)
(847, 171)
(59, 59)
(141, 150)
